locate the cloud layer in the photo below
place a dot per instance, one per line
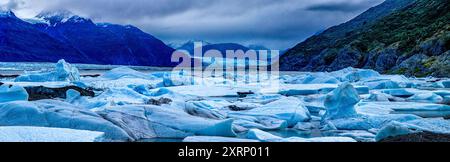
(276, 24)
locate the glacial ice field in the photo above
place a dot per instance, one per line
(64, 102)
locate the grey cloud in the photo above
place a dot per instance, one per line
(342, 6)
(12, 4)
(273, 23)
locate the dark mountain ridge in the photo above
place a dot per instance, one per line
(58, 35)
(408, 37)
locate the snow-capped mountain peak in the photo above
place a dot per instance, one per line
(7, 13)
(60, 16)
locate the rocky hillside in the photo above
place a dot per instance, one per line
(408, 37)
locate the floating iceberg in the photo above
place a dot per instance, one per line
(12, 93)
(313, 78)
(426, 97)
(359, 135)
(45, 134)
(446, 83)
(402, 92)
(144, 122)
(308, 89)
(381, 84)
(268, 137)
(125, 72)
(52, 113)
(376, 96)
(206, 109)
(177, 80)
(389, 107)
(340, 102)
(262, 136)
(353, 75)
(121, 96)
(289, 109)
(369, 122)
(393, 129)
(215, 139)
(244, 123)
(210, 91)
(63, 72)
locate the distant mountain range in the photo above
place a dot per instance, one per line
(55, 35)
(396, 37)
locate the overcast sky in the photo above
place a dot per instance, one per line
(277, 24)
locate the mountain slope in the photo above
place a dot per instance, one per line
(20, 41)
(83, 42)
(398, 36)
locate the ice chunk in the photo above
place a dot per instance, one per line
(121, 96)
(308, 89)
(74, 97)
(400, 80)
(381, 84)
(375, 96)
(426, 97)
(268, 137)
(341, 101)
(402, 92)
(435, 125)
(126, 72)
(12, 93)
(395, 129)
(383, 108)
(45, 134)
(446, 83)
(215, 139)
(446, 100)
(260, 122)
(262, 136)
(261, 98)
(359, 135)
(353, 75)
(178, 79)
(442, 93)
(206, 109)
(319, 139)
(289, 109)
(311, 78)
(52, 113)
(63, 72)
(304, 126)
(144, 122)
(123, 82)
(210, 91)
(318, 78)
(370, 122)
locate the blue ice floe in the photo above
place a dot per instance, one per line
(125, 72)
(144, 122)
(46, 134)
(353, 75)
(268, 137)
(426, 97)
(434, 125)
(216, 139)
(12, 93)
(53, 113)
(289, 109)
(340, 102)
(63, 72)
